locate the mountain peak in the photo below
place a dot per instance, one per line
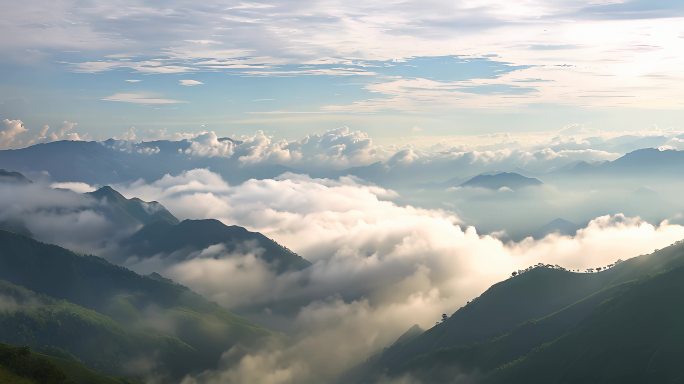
(192, 235)
(142, 211)
(107, 192)
(502, 179)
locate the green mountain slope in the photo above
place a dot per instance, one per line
(191, 235)
(499, 309)
(58, 326)
(634, 337)
(184, 331)
(512, 328)
(20, 365)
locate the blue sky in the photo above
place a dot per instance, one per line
(394, 69)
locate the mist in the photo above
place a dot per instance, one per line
(378, 266)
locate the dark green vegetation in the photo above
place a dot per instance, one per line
(20, 365)
(622, 325)
(109, 318)
(192, 235)
(501, 180)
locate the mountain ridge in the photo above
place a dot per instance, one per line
(476, 337)
(195, 235)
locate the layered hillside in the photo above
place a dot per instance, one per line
(108, 317)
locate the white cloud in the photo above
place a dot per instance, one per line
(9, 135)
(189, 82)
(60, 216)
(342, 148)
(73, 186)
(378, 266)
(143, 66)
(336, 148)
(141, 98)
(207, 144)
(573, 53)
(15, 134)
(128, 135)
(65, 132)
(247, 272)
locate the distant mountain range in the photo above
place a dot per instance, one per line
(113, 161)
(549, 325)
(642, 162)
(502, 180)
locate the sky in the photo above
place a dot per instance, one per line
(399, 70)
(432, 92)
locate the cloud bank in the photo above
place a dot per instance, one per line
(378, 266)
(335, 148)
(10, 132)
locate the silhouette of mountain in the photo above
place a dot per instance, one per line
(13, 177)
(115, 161)
(193, 235)
(142, 211)
(501, 180)
(642, 162)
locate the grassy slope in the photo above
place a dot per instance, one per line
(20, 365)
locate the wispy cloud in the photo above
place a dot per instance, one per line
(189, 82)
(402, 57)
(140, 98)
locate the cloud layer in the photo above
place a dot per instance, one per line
(569, 52)
(335, 148)
(379, 266)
